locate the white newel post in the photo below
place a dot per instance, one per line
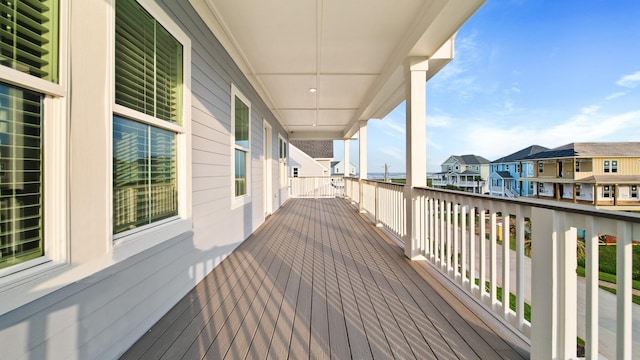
(362, 155)
(553, 286)
(416, 119)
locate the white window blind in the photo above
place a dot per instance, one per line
(20, 175)
(29, 37)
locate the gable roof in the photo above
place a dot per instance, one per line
(518, 155)
(504, 174)
(317, 149)
(589, 149)
(471, 159)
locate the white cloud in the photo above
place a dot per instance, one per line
(393, 152)
(630, 81)
(442, 121)
(615, 95)
(492, 141)
(590, 109)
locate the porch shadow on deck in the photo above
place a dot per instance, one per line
(318, 280)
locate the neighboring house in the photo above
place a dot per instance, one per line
(303, 165)
(142, 141)
(505, 174)
(337, 168)
(310, 157)
(605, 175)
(466, 172)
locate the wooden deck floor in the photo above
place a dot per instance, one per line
(318, 280)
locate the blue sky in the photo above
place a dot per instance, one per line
(525, 72)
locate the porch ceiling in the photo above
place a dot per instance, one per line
(352, 52)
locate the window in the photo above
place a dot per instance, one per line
(20, 175)
(241, 115)
(295, 172)
(577, 165)
(518, 168)
(29, 37)
(611, 166)
(540, 187)
(29, 44)
(578, 188)
(607, 191)
(634, 191)
(507, 167)
(148, 119)
(282, 161)
(540, 167)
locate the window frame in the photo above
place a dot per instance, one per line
(283, 162)
(540, 167)
(240, 200)
(633, 191)
(54, 160)
(607, 192)
(141, 238)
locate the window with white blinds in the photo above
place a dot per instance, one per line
(144, 174)
(148, 64)
(29, 43)
(21, 215)
(29, 37)
(149, 81)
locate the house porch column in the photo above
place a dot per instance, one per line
(362, 158)
(347, 163)
(416, 145)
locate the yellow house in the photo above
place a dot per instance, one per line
(605, 175)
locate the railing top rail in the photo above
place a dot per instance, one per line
(382, 182)
(546, 204)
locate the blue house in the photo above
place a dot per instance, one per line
(505, 174)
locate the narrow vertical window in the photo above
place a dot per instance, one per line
(241, 121)
(149, 93)
(614, 166)
(607, 166)
(634, 191)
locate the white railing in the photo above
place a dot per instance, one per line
(461, 233)
(316, 187)
(385, 203)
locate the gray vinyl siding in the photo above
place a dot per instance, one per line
(102, 315)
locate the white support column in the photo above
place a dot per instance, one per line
(362, 140)
(347, 161)
(362, 155)
(416, 144)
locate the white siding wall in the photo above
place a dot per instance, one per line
(103, 303)
(306, 165)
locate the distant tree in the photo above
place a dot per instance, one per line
(478, 180)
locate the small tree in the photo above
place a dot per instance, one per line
(478, 180)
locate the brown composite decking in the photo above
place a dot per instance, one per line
(318, 280)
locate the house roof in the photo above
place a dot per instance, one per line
(504, 174)
(589, 150)
(317, 149)
(354, 54)
(471, 159)
(518, 155)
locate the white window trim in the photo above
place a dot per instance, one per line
(238, 201)
(284, 171)
(136, 240)
(55, 165)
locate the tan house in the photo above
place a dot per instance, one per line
(605, 174)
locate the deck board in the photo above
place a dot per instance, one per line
(318, 280)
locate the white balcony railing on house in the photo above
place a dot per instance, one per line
(447, 227)
(316, 187)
